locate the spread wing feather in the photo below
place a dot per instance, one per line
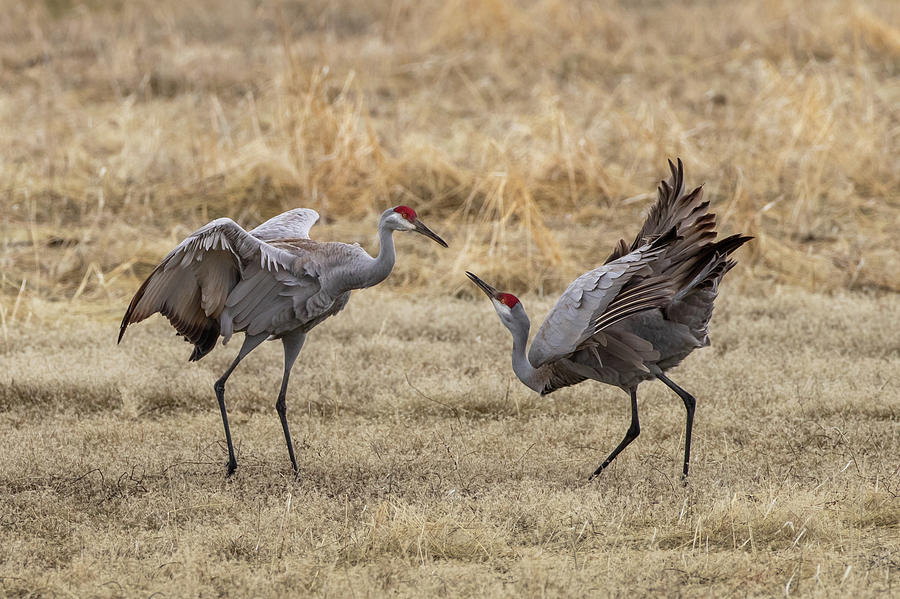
(573, 320)
(673, 208)
(674, 264)
(192, 285)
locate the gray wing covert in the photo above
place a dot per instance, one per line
(271, 301)
(305, 294)
(568, 324)
(600, 298)
(293, 224)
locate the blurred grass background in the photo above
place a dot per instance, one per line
(530, 134)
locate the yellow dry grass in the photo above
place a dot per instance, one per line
(428, 469)
(530, 134)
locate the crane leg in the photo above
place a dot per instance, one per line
(292, 345)
(689, 404)
(630, 435)
(250, 343)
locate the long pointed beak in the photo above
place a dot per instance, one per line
(421, 228)
(488, 290)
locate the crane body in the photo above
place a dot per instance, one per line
(272, 282)
(636, 316)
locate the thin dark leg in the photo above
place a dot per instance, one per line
(689, 404)
(292, 345)
(250, 343)
(630, 435)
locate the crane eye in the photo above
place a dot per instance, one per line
(508, 299)
(406, 212)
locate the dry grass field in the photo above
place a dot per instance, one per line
(530, 135)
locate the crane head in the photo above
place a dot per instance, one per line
(508, 306)
(404, 218)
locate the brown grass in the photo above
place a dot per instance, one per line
(428, 469)
(530, 135)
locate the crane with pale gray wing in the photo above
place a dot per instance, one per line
(635, 317)
(272, 282)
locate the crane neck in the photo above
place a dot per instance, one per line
(526, 373)
(382, 265)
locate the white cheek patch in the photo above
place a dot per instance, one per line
(401, 223)
(501, 308)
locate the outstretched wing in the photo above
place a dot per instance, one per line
(191, 285)
(696, 261)
(599, 298)
(673, 264)
(673, 208)
(293, 224)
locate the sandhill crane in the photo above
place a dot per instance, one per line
(635, 317)
(273, 282)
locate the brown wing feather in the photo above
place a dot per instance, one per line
(673, 208)
(681, 266)
(689, 259)
(177, 294)
(190, 286)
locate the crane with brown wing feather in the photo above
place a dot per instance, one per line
(272, 282)
(636, 316)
